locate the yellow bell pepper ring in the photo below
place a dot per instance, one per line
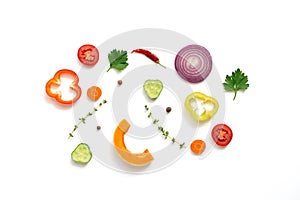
(201, 114)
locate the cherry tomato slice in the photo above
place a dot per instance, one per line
(88, 55)
(221, 134)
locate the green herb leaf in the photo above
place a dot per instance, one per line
(146, 108)
(181, 145)
(82, 120)
(155, 121)
(173, 140)
(166, 134)
(237, 81)
(118, 59)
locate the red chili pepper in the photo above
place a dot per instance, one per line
(149, 55)
(57, 95)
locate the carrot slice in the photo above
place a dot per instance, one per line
(94, 93)
(198, 146)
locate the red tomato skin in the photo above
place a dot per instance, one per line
(215, 134)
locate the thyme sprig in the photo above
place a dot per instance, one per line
(82, 120)
(164, 132)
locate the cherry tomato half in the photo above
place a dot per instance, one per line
(88, 55)
(221, 134)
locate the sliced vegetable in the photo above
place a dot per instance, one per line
(202, 113)
(149, 55)
(198, 146)
(193, 63)
(88, 55)
(136, 159)
(153, 88)
(56, 81)
(237, 81)
(221, 134)
(82, 154)
(117, 59)
(94, 93)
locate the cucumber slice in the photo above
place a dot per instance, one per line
(153, 88)
(82, 154)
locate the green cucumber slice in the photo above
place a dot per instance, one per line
(82, 153)
(153, 88)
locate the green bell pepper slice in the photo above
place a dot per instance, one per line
(192, 107)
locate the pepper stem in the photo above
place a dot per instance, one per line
(161, 65)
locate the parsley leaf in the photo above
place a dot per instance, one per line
(117, 59)
(237, 81)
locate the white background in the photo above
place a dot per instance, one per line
(260, 37)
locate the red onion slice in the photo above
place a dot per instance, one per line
(193, 63)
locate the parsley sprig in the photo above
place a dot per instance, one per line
(237, 81)
(117, 59)
(164, 132)
(82, 120)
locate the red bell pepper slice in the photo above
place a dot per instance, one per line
(57, 95)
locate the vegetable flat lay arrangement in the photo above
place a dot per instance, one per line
(193, 64)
